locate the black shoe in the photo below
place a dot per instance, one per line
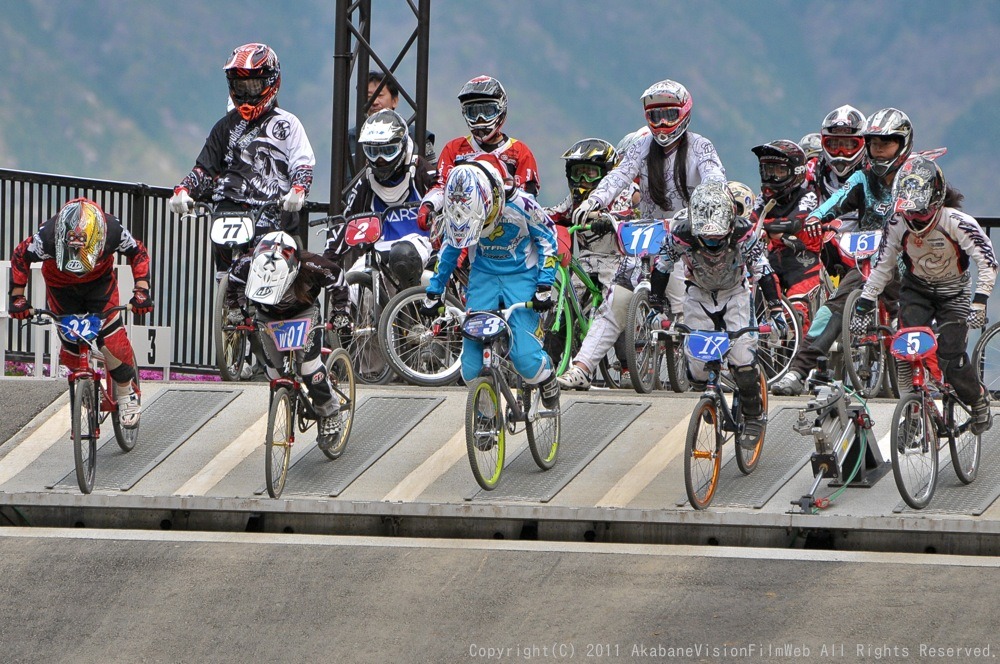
(753, 427)
(329, 432)
(982, 418)
(549, 389)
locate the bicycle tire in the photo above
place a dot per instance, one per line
(414, 353)
(864, 364)
(986, 358)
(485, 435)
(640, 347)
(369, 363)
(557, 324)
(126, 436)
(913, 448)
(610, 370)
(231, 346)
(702, 454)
(543, 428)
(676, 361)
(966, 447)
(775, 353)
(341, 375)
(84, 431)
(278, 441)
(747, 458)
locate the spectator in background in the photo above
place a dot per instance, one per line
(387, 97)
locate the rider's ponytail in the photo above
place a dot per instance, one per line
(655, 160)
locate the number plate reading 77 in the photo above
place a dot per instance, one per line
(707, 346)
(232, 230)
(290, 334)
(637, 239)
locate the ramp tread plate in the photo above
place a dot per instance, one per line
(587, 428)
(379, 423)
(168, 419)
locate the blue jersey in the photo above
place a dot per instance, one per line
(864, 195)
(401, 222)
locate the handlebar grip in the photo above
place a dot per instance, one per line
(764, 329)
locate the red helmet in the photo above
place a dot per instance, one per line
(254, 78)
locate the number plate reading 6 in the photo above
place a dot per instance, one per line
(290, 334)
(913, 344)
(85, 327)
(860, 244)
(232, 230)
(483, 326)
(707, 346)
(636, 239)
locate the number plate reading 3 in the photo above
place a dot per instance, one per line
(860, 244)
(641, 239)
(81, 327)
(911, 344)
(707, 346)
(483, 326)
(290, 334)
(232, 230)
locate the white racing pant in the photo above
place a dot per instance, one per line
(613, 271)
(729, 310)
(675, 289)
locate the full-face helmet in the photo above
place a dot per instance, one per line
(743, 196)
(81, 231)
(254, 77)
(782, 165)
(842, 137)
(667, 106)
(712, 214)
(891, 124)
(587, 162)
(811, 145)
(484, 107)
(385, 141)
(473, 200)
(273, 268)
(919, 190)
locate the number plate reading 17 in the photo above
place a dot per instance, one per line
(707, 346)
(85, 327)
(290, 334)
(910, 344)
(483, 326)
(635, 239)
(860, 244)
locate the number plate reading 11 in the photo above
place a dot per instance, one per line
(483, 326)
(641, 239)
(290, 334)
(707, 346)
(85, 327)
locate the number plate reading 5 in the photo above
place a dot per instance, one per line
(85, 327)
(707, 346)
(635, 239)
(860, 244)
(483, 326)
(913, 344)
(290, 334)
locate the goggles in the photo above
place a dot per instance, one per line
(478, 112)
(713, 242)
(384, 151)
(247, 86)
(76, 239)
(843, 146)
(663, 116)
(772, 171)
(585, 173)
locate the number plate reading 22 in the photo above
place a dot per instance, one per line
(81, 327)
(290, 334)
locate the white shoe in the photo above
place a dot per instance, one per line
(575, 378)
(128, 410)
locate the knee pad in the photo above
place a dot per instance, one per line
(405, 263)
(748, 383)
(123, 373)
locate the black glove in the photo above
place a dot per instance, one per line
(863, 319)
(432, 307)
(601, 226)
(142, 301)
(542, 299)
(19, 307)
(793, 243)
(341, 321)
(657, 303)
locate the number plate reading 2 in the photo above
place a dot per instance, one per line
(641, 239)
(290, 334)
(232, 230)
(913, 343)
(483, 326)
(707, 346)
(860, 244)
(85, 327)
(363, 230)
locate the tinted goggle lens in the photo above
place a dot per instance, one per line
(247, 86)
(585, 173)
(663, 116)
(843, 146)
(481, 111)
(387, 151)
(773, 172)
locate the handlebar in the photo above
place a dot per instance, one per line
(203, 209)
(681, 327)
(103, 315)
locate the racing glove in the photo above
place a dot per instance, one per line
(425, 217)
(19, 307)
(142, 301)
(585, 208)
(542, 299)
(181, 202)
(977, 316)
(294, 199)
(778, 320)
(432, 307)
(863, 319)
(813, 227)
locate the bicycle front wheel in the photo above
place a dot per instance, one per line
(485, 436)
(84, 431)
(747, 457)
(913, 447)
(341, 375)
(557, 324)
(640, 346)
(278, 444)
(419, 356)
(864, 362)
(965, 446)
(676, 361)
(367, 358)
(543, 428)
(702, 454)
(231, 346)
(986, 359)
(774, 351)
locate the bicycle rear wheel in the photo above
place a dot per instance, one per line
(419, 356)
(774, 351)
(485, 436)
(865, 362)
(747, 457)
(557, 324)
(543, 428)
(231, 346)
(640, 347)
(341, 375)
(986, 359)
(702, 454)
(86, 408)
(370, 365)
(126, 436)
(965, 446)
(278, 443)
(913, 448)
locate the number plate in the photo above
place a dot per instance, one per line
(913, 343)
(81, 326)
(640, 239)
(363, 230)
(861, 244)
(232, 230)
(707, 346)
(290, 334)
(483, 326)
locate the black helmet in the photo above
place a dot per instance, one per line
(587, 162)
(893, 124)
(782, 167)
(385, 141)
(484, 107)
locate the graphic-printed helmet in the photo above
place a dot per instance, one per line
(667, 106)
(484, 107)
(385, 141)
(811, 145)
(81, 232)
(919, 190)
(712, 214)
(254, 77)
(273, 268)
(782, 165)
(473, 200)
(743, 196)
(587, 162)
(890, 123)
(842, 136)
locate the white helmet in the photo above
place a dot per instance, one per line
(667, 105)
(273, 268)
(473, 200)
(712, 212)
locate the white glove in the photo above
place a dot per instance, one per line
(977, 316)
(293, 200)
(586, 207)
(181, 202)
